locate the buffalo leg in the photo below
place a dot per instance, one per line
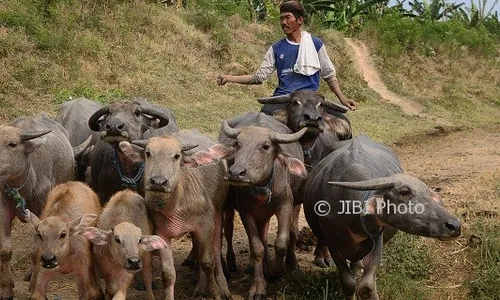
(39, 282)
(168, 269)
(217, 250)
(6, 282)
(291, 257)
(322, 256)
(284, 215)
(346, 277)
(258, 288)
(367, 286)
(147, 274)
(228, 234)
(205, 246)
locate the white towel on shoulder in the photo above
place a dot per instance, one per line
(307, 60)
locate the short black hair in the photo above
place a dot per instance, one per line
(293, 7)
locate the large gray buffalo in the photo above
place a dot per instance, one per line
(124, 120)
(74, 115)
(356, 192)
(265, 173)
(35, 155)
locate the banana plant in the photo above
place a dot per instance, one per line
(435, 10)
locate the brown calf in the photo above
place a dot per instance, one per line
(70, 207)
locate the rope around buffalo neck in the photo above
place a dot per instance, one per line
(13, 194)
(127, 181)
(266, 189)
(372, 236)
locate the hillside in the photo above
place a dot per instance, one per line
(107, 50)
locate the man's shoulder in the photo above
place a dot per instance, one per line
(318, 43)
(279, 42)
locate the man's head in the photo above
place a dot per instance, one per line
(291, 16)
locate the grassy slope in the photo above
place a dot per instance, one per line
(173, 57)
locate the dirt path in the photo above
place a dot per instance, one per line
(365, 67)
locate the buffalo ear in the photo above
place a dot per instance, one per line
(221, 151)
(32, 219)
(132, 151)
(152, 242)
(200, 158)
(96, 236)
(281, 115)
(294, 165)
(78, 224)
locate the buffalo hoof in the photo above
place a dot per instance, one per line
(323, 262)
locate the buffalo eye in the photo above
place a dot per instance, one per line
(266, 147)
(236, 145)
(39, 235)
(140, 240)
(62, 235)
(295, 103)
(147, 153)
(12, 144)
(117, 240)
(320, 104)
(404, 192)
(177, 156)
(137, 112)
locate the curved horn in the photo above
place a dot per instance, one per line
(80, 149)
(94, 119)
(286, 138)
(336, 107)
(187, 147)
(140, 143)
(275, 99)
(229, 131)
(371, 184)
(29, 135)
(156, 113)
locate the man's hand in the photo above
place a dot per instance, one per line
(221, 79)
(351, 104)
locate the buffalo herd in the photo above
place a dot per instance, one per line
(107, 187)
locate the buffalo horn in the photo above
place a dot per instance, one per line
(335, 107)
(187, 147)
(94, 119)
(230, 132)
(275, 99)
(29, 135)
(80, 149)
(286, 138)
(156, 114)
(371, 184)
(140, 143)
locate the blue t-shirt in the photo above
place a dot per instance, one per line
(285, 56)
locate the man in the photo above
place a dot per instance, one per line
(298, 69)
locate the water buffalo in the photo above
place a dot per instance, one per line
(74, 115)
(122, 243)
(123, 120)
(265, 175)
(185, 193)
(326, 124)
(35, 155)
(357, 191)
(70, 207)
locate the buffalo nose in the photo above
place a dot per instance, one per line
(134, 263)
(454, 226)
(49, 260)
(158, 181)
(237, 171)
(308, 117)
(115, 126)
